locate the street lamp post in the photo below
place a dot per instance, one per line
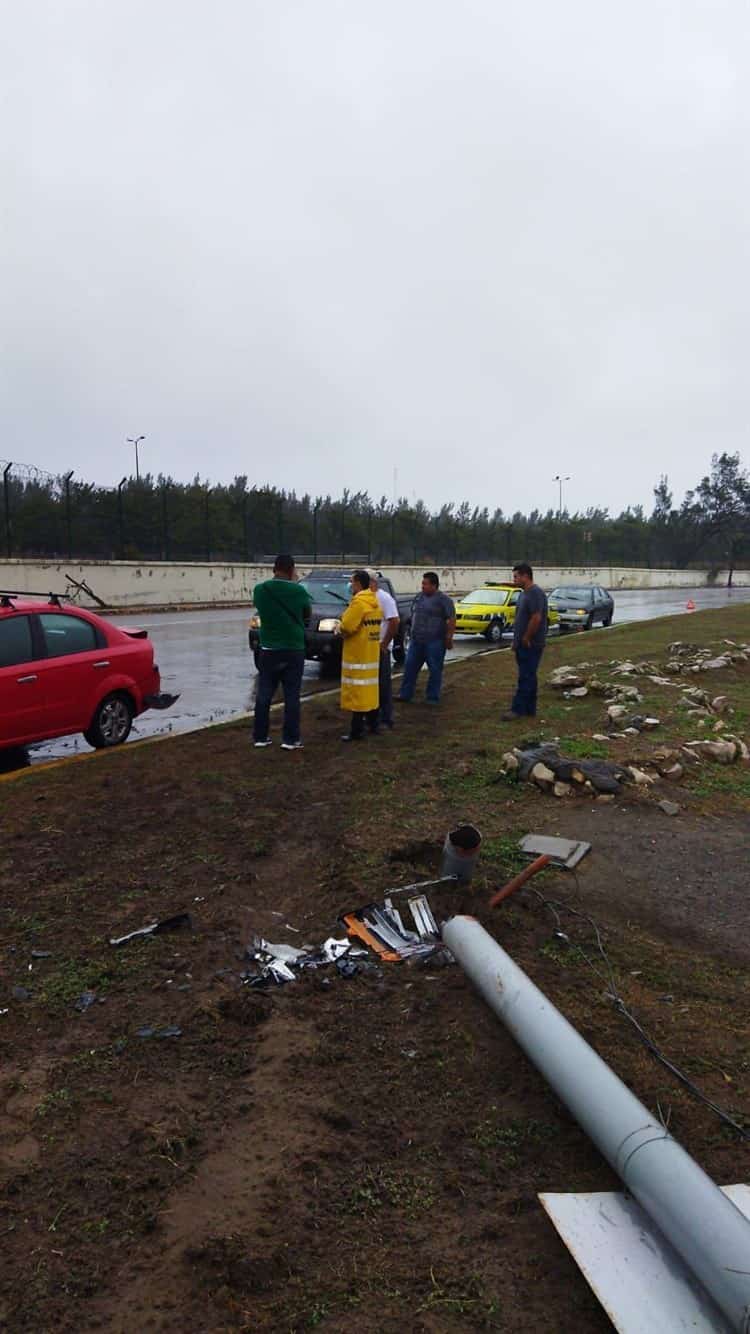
(560, 481)
(120, 523)
(316, 510)
(68, 525)
(6, 490)
(135, 440)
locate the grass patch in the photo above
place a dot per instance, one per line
(512, 1138)
(382, 1187)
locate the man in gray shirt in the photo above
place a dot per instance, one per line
(529, 638)
(433, 624)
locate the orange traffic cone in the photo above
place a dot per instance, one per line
(690, 605)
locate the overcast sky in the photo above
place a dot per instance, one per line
(482, 242)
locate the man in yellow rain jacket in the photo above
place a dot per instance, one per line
(360, 660)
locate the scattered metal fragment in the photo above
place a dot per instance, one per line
(41, 954)
(179, 922)
(261, 948)
(424, 921)
(381, 927)
(170, 1031)
(85, 1001)
(425, 884)
(333, 949)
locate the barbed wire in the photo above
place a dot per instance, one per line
(29, 472)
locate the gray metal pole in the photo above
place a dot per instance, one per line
(68, 522)
(6, 490)
(703, 1225)
(120, 518)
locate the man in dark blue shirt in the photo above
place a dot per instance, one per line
(529, 638)
(433, 624)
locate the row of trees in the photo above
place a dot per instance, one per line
(160, 519)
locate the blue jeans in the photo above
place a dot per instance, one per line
(524, 700)
(279, 666)
(416, 656)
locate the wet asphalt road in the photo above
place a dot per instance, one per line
(204, 656)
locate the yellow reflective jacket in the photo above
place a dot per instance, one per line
(360, 659)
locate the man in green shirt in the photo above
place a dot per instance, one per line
(284, 609)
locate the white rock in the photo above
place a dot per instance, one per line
(674, 773)
(649, 724)
(720, 704)
(599, 736)
(638, 776)
(742, 750)
(724, 752)
(669, 807)
(615, 712)
(691, 755)
(715, 664)
(509, 762)
(605, 798)
(564, 678)
(580, 692)
(631, 731)
(542, 776)
(562, 789)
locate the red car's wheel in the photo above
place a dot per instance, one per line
(111, 723)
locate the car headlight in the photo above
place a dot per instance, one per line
(580, 611)
(255, 622)
(329, 623)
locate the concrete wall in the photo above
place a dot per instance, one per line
(167, 584)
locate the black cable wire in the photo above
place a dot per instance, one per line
(552, 905)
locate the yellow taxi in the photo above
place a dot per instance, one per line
(490, 611)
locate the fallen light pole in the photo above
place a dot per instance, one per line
(710, 1234)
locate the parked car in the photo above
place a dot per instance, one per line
(331, 592)
(64, 669)
(580, 605)
(490, 611)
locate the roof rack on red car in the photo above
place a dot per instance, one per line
(8, 594)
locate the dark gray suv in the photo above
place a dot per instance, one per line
(580, 605)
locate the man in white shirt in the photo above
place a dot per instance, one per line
(388, 631)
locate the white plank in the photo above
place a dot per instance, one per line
(641, 1282)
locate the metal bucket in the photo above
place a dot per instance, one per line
(460, 852)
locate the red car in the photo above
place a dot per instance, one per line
(63, 669)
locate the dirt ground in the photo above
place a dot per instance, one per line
(356, 1153)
